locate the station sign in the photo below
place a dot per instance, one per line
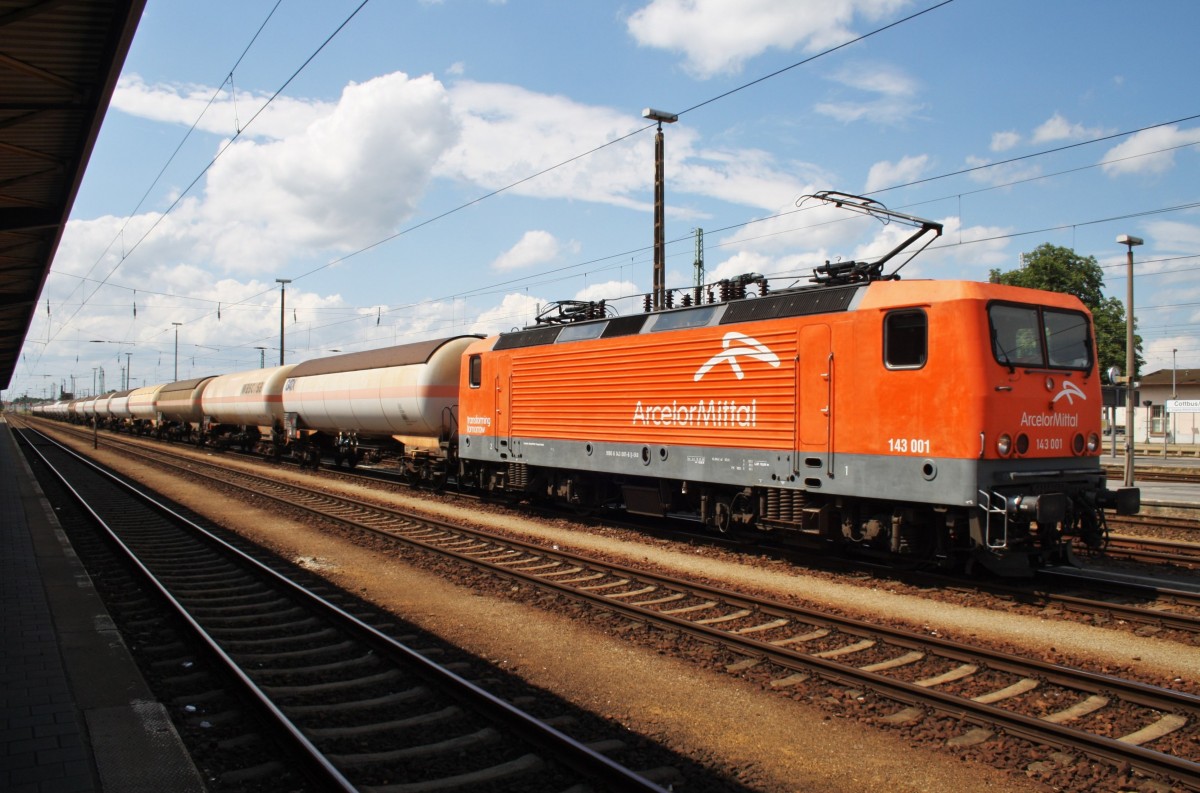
(1183, 405)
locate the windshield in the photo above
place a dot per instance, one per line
(1035, 336)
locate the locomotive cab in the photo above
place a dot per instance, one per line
(1040, 481)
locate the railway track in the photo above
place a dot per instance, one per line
(360, 709)
(1176, 525)
(1155, 475)
(1156, 551)
(1137, 603)
(1150, 728)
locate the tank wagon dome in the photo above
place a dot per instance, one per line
(409, 391)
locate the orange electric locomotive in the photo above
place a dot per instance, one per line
(947, 422)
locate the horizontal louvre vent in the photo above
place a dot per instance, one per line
(528, 338)
(791, 304)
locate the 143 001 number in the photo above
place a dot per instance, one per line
(909, 445)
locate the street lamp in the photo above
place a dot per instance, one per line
(1129, 242)
(128, 376)
(1174, 395)
(176, 324)
(283, 282)
(660, 264)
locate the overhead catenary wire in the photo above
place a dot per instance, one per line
(224, 148)
(488, 289)
(492, 193)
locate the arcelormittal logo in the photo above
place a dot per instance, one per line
(734, 345)
(1070, 391)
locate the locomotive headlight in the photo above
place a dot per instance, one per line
(1004, 445)
(1093, 444)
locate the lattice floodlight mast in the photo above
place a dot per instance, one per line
(852, 272)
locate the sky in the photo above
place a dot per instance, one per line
(424, 169)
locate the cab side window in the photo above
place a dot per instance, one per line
(905, 339)
(475, 373)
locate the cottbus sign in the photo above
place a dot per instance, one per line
(1183, 405)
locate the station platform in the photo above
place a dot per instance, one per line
(75, 712)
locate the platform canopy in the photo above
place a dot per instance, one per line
(59, 63)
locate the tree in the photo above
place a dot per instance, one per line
(1059, 269)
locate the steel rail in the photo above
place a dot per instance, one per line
(1030, 727)
(594, 765)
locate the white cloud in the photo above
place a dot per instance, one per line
(513, 312)
(614, 293)
(1002, 174)
(1058, 128)
(719, 37)
(889, 95)
(333, 177)
(323, 175)
(743, 262)
(510, 133)
(1003, 141)
(534, 248)
(746, 177)
(228, 113)
(1173, 236)
(891, 174)
(1150, 151)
